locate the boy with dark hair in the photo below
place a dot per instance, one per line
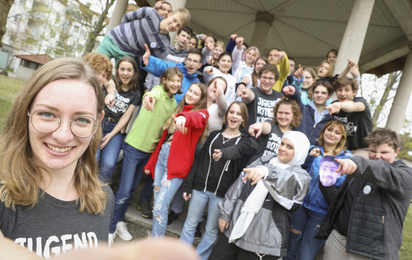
(140, 27)
(175, 53)
(192, 43)
(191, 64)
(366, 214)
(354, 113)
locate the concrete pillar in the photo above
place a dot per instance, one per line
(119, 11)
(400, 102)
(263, 23)
(175, 5)
(352, 42)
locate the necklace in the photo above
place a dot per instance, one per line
(225, 140)
(238, 132)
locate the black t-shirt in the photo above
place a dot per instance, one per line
(54, 226)
(269, 144)
(261, 110)
(121, 104)
(358, 125)
(330, 80)
(216, 167)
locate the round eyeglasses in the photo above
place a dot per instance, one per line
(46, 121)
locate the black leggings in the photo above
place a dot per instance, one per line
(223, 250)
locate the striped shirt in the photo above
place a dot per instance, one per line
(139, 28)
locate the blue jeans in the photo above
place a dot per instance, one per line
(164, 196)
(197, 205)
(178, 201)
(133, 162)
(108, 156)
(303, 246)
(147, 189)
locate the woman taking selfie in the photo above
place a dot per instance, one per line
(51, 197)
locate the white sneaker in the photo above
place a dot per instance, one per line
(111, 238)
(121, 230)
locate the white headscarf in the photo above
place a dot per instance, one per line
(255, 200)
(301, 146)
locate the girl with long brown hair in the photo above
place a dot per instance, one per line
(306, 221)
(212, 173)
(172, 159)
(158, 105)
(127, 97)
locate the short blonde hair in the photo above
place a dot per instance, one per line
(183, 14)
(220, 44)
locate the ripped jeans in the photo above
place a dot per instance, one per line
(164, 196)
(303, 246)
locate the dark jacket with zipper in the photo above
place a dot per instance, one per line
(378, 211)
(198, 176)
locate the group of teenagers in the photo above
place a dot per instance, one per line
(216, 125)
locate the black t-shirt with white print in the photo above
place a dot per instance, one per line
(261, 110)
(122, 102)
(269, 144)
(358, 125)
(52, 226)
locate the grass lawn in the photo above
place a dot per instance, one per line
(9, 88)
(406, 249)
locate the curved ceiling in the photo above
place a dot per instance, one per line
(306, 30)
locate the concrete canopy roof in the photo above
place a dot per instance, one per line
(306, 30)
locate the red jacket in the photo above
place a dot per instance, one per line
(182, 150)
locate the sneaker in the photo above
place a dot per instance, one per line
(198, 233)
(111, 238)
(145, 208)
(171, 217)
(121, 230)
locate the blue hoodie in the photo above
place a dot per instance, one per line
(312, 122)
(314, 200)
(157, 66)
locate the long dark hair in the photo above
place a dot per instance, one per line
(202, 104)
(342, 143)
(255, 73)
(133, 81)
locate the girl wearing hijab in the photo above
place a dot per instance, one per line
(255, 219)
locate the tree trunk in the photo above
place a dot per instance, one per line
(5, 6)
(99, 27)
(393, 78)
